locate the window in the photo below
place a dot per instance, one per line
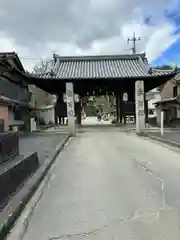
(18, 115)
(150, 112)
(175, 91)
(174, 112)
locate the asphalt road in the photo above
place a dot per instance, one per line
(108, 185)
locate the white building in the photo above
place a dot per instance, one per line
(153, 96)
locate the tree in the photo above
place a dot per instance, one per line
(164, 67)
(44, 66)
(40, 96)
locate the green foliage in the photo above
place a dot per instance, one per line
(102, 104)
(164, 67)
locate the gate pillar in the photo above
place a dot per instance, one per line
(70, 108)
(140, 108)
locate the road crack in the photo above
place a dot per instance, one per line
(150, 172)
(88, 233)
(126, 220)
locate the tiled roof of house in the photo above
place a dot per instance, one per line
(103, 66)
(6, 56)
(9, 101)
(177, 77)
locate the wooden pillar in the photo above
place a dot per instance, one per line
(117, 108)
(56, 113)
(79, 112)
(121, 109)
(124, 112)
(146, 108)
(70, 108)
(140, 111)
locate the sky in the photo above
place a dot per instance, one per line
(37, 29)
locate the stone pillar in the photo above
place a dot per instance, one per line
(70, 108)
(140, 112)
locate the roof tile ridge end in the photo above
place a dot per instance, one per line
(145, 66)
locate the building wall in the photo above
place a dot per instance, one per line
(158, 114)
(155, 98)
(40, 98)
(167, 91)
(46, 115)
(152, 97)
(4, 116)
(11, 115)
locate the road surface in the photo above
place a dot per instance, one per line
(108, 185)
(93, 121)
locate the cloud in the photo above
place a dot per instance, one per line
(74, 27)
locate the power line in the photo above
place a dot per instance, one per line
(34, 58)
(133, 40)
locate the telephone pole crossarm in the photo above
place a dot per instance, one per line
(133, 40)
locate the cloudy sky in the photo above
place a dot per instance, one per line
(36, 29)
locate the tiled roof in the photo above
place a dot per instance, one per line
(177, 77)
(102, 66)
(5, 56)
(109, 66)
(9, 101)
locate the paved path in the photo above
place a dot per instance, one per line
(109, 185)
(44, 143)
(171, 135)
(93, 121)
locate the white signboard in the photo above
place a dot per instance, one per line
(125, 97)
(54, 99)
(140, 114)
(70, 108)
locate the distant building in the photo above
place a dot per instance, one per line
(14, 94)
(170, 100)
(43, 102)
(152, 97)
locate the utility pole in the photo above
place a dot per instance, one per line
(133, 40)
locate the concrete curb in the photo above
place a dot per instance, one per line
(159, 139)
(14, 208)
